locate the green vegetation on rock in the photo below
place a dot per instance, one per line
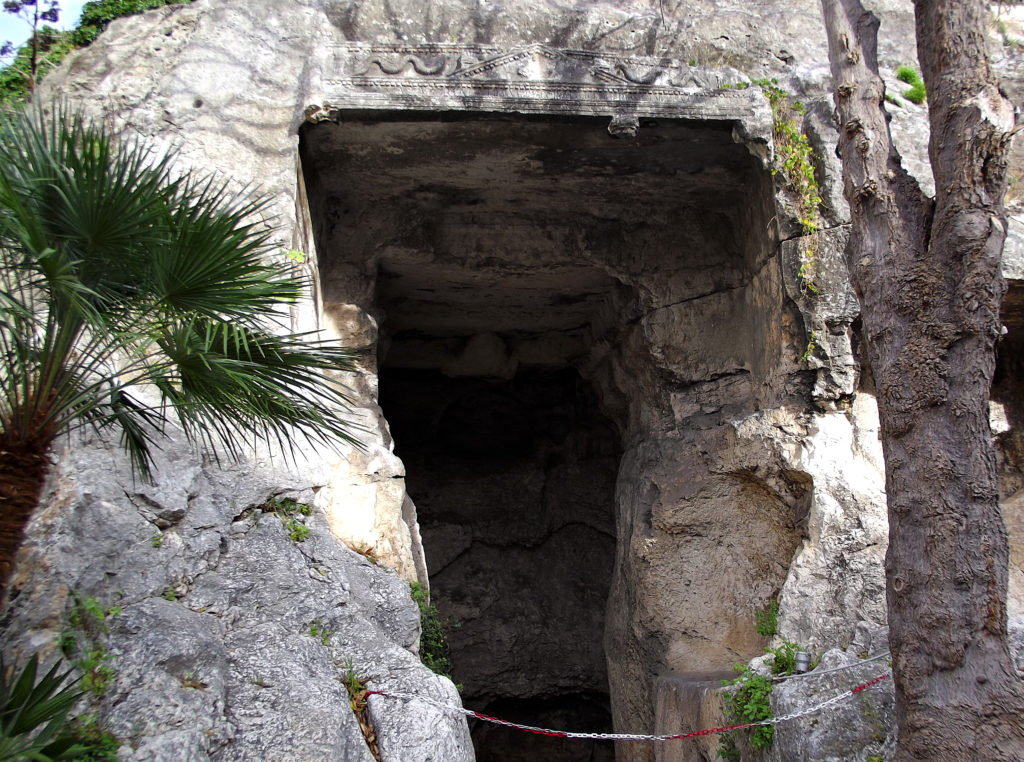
(290, 511)
(52, 45)
(435, 652)
(97, 14)
(767, 620)
(795, 162)
(749, 696)
(916, 93)
(98, 744)
(84, 642)
(748, 701)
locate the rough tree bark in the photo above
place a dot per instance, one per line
(928, 278)
(22, 475)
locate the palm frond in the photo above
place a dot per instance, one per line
(227, 379)
(212, 261)
(118, 276)
(34, 714)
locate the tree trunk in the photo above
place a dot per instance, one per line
(929, 281)
(22, 474)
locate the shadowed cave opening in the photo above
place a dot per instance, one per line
(514, 482)
(516, 269)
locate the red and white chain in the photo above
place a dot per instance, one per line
(630, 736)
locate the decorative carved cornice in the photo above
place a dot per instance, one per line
(532, 79)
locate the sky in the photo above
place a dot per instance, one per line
(17, 31)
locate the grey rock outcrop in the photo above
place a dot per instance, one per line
(232, 636)
(858, 728)
(837, 578)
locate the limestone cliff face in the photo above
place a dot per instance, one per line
(232, 628)
(587, 382)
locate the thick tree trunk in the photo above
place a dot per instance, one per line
(22, 474)
(928, 277)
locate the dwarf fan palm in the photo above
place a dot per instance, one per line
(130, 298)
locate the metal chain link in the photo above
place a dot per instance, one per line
(824, 704)
(631, 736)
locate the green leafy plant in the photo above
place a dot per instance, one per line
(812, 344)
(794, 154)
(356, 687)
(351, 680)
(916, 93)
(157, 540)
(766, 621)
(807, 271)
(97, 670)
(749, 700)
(795, 162)
(727, 749)
(170, 594)
(90, 616)
(34, 714)
(318, 630)
(100, 745)
(118, 276)
(286, 506)
(435, 653)
(749, 696)
(297, 531)
(84, 643)
(784, 657)
(289, 511)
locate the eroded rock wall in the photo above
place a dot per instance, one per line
(232, 629)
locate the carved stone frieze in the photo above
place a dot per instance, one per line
(532, 79)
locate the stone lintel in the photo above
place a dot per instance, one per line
(535, 79)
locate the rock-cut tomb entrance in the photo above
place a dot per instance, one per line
(511, 262)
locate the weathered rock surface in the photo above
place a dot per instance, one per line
(685, 703)
(213, 651)
(837, 578)
(857, 728)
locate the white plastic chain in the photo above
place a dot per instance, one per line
(632, 736)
